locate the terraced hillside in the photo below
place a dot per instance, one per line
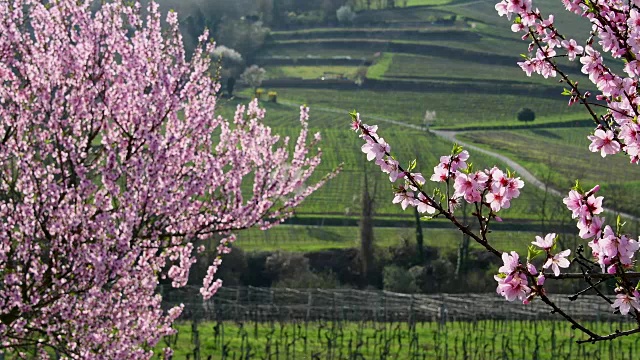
(457, 59)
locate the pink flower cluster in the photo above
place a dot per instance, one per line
(491, 187)
(610, 250)
(377, 149)
(498, 189)
(616, 25)
(512, 279)
(555, 261)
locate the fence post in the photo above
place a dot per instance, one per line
(236, 310)
(410, 315)
(309, 303)
(195, 336)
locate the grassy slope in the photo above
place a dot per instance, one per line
(381, 66)
(453, 109)
(429, 66)
(314, 238)
(309, 72)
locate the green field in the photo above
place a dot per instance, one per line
(300, 238)
(426, 2)
(485, 339)
(412, 3)
(310, 72)
(453, 109)
(381, 67)
(436, 67)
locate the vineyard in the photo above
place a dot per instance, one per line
(340, 197)
(256, 323)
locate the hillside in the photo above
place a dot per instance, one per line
(457, 59)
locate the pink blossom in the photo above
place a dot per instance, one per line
(546, 243)
(513, 187)
(594, 205)
(573, 203)
(625, 302)
(604, 141)
(376, 150)
(424, 205)
(590, 227)
(467, 187)
(501, 7)
(572, 48)
(514, 287)
(122, 170)
(511, 263)
(391, 167)
(608, 243)
(498, 200)
(558, 261)
(356, 123)
(440, 173)
(404, 197)
(418, 178)
(627, 248)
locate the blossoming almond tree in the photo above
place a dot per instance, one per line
(114, 170)
(616, 28)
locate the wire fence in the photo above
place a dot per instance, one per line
(293, 324)
(254, 304)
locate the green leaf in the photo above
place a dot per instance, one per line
(619, 225)
(577, 187)
(354, 114)
(412, 165)
(532, 252)
(457, 149)
(469, 169)
(566, 92)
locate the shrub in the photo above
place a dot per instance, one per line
(526, 115)
(345, 15)
(398, 279)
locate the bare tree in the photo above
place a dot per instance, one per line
(366, 231)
